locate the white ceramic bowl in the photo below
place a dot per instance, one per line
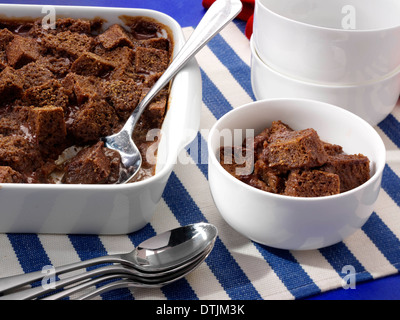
(106, 209)
(371, 101)
(311, 39)
(291, 222)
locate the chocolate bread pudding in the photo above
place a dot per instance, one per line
(294, 163)
(64, 88)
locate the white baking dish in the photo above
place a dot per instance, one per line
(105, 209)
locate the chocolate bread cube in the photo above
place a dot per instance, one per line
(258, 143)
(89, 166)
(59, 66)
(67, 44)
(6, 36)
(150, 60)
(313, 183)
(125, 69)
(82, 88)
(274, 182)
(8, 175)
(123, 96)
(17, 152)
(237, 161)
(278, 128)
(35, 74)
(73, 25)
(49, 93)
(156, 43)
(13, 122)
(96, 119)
(90, 64)
(115, 36)
(332, 149)
(20, 51)
(48, 129)
(10, 85)
(3, 60)
(155, 112)
(353, 170)
(296, 149)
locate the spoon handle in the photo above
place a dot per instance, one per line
(16, 281)
(215, 19)
(35, 292)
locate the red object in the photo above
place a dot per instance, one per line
(245, 15)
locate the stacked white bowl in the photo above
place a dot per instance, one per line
(342, 52)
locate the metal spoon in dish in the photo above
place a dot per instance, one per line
(216, 18)
(161, 255)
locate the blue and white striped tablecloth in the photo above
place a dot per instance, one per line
(237, 268)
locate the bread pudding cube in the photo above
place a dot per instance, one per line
(150, 60)
(312, 183)
(20, 51)
(274, 181)
(80, 89)
(8, 175)
(6, 36)
(237, 161)
(353, 170)
(296, 149)
(35, 74)
(155, 112)
(18, 153)
(90, 64)
(48, 129)
(94, 120)
(89, 166)
(49, 93)
(123, 96)
(156, 43)
(10, 85)
(115, 36)
(278, 128)
(67, 44)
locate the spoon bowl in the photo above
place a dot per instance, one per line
(216, 18)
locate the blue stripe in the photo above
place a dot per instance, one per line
(390, 126)
(339, 256)
(179, 290)
(289, 271)
(236, 66)
(30, 252)
(220, 261)
(391, 184)
(240, 24)
(213, 98)
(198, 151)
(385, 240)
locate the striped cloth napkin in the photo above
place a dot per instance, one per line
(237, 269)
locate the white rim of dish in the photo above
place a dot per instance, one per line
(324, 28)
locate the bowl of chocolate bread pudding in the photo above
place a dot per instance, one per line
(68, 77)
(295, 174)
